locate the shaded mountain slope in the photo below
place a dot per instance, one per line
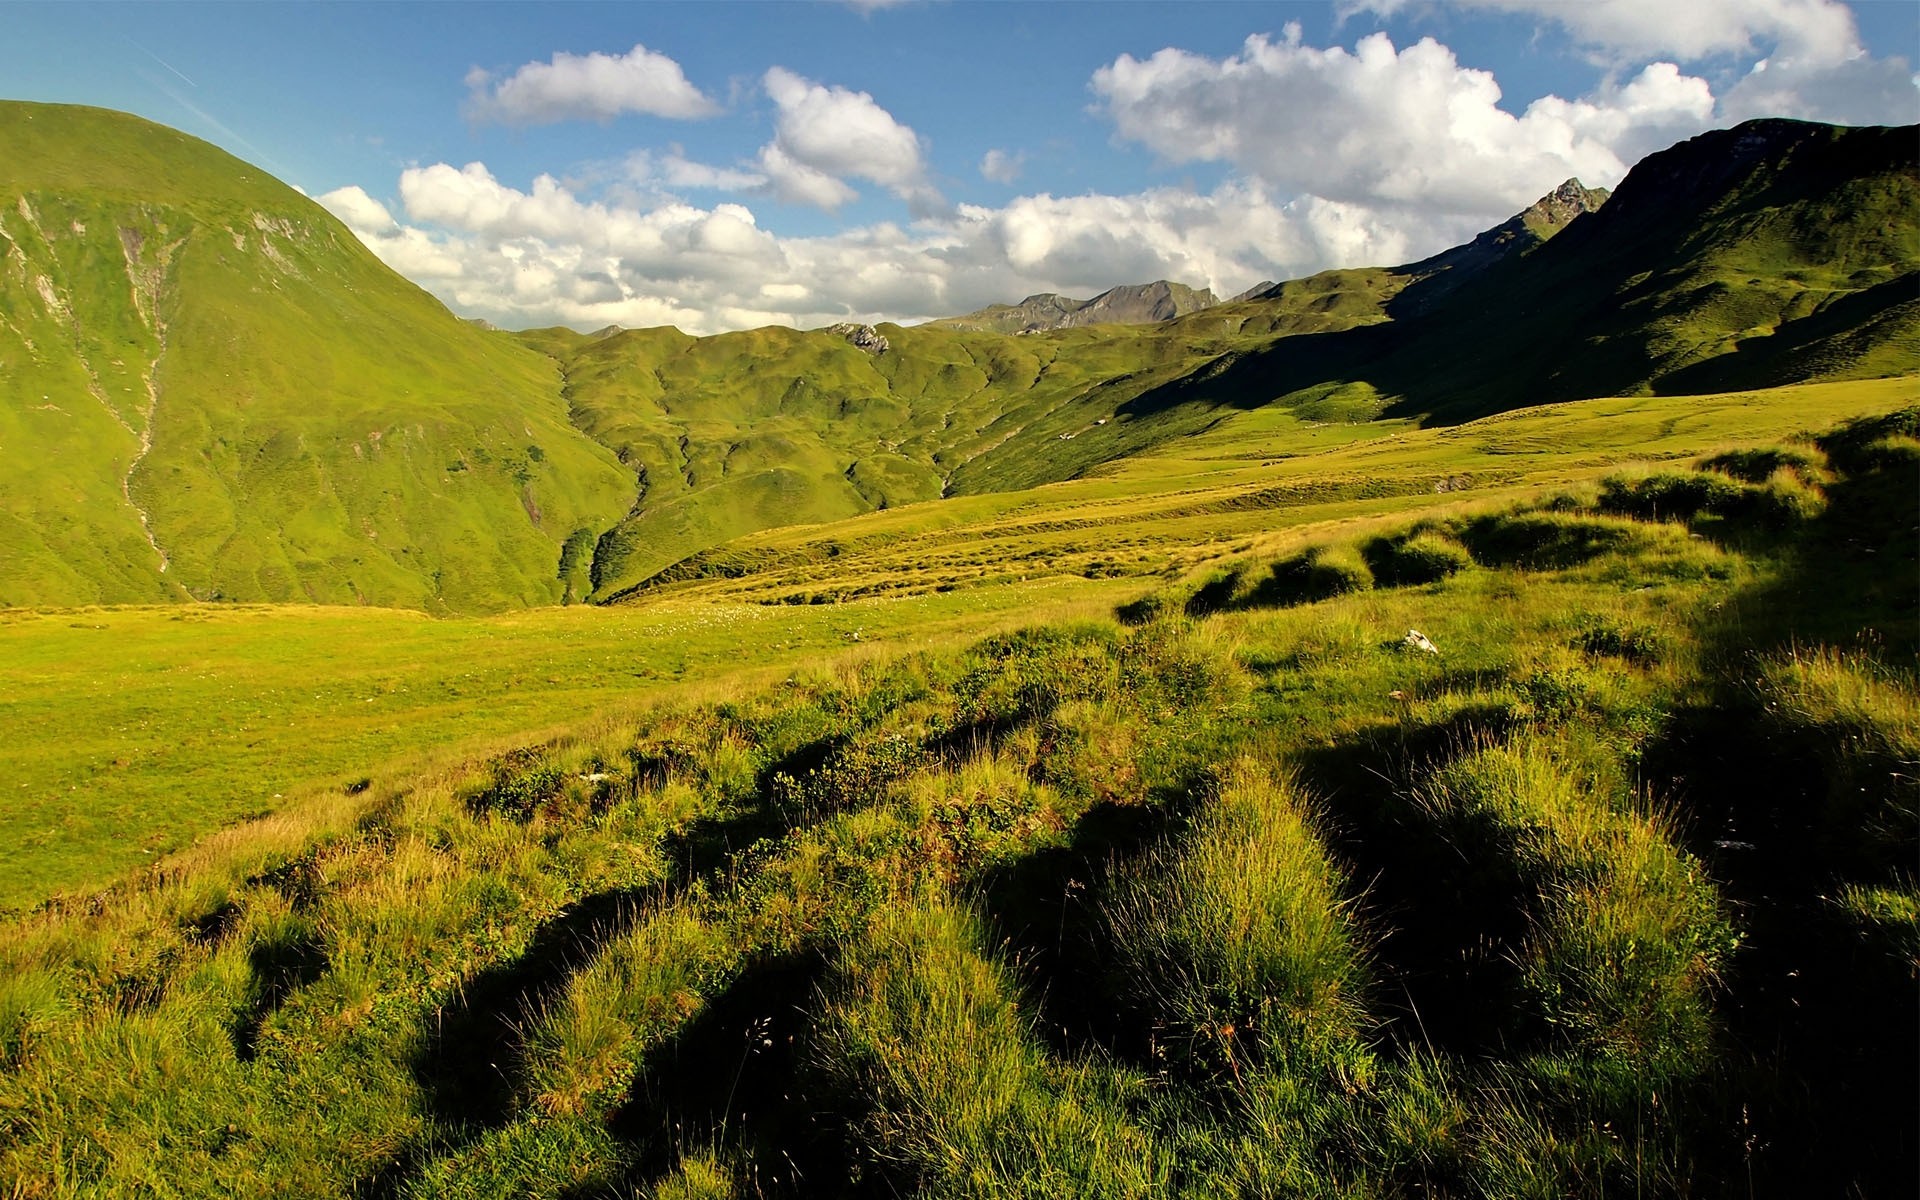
(209, 388)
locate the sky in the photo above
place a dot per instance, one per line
(729, 165)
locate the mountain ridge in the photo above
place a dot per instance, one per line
(329, 432)
(1126, 304)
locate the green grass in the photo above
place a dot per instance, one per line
(199, 716)
(1262, 901)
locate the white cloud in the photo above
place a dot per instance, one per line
(1385, 126)
(549, 255)
(1822, 30)
(825, 135)
(594, 86)
(1001, 167)
(1814, 65)
(359, 210)
(673, 169)
(798, 183)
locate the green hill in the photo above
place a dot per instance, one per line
(210, 389)
(213, 391)
(1779, 252)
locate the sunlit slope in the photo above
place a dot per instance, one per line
(209, 388)
(770, 427)
(1254, 476)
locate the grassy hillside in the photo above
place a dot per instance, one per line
(212, 390)
(1431, 853)
(1777, 253)
(143, 729)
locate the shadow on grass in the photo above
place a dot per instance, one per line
(1045, 908)
(465, 1070)
(280, 968)
(731, 1080)
(1448, 916)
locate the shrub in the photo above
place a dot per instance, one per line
(1312, 575)
(1671, 495)
(1421, 556)
(1545, 540)
(1761, 463)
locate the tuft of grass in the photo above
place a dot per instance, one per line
(1629, 934)
(927, 1034)
(1235, 940)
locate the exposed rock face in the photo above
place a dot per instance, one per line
(864, 337)
(1130, 304)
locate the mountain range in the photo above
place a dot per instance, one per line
(211, 390)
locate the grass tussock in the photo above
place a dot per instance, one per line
(1235, 939)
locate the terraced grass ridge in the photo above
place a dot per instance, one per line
(213, 392)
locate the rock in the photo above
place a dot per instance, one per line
(863, 337)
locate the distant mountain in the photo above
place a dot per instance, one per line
(1133, 304)
(209, 388)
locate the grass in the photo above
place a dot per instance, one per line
(1085, 907)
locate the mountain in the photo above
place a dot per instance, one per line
(210, 389)
(1775, 252)
(1133, 304)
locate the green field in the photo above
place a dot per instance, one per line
(1136, 900)
(1449, 730)
(145, 728)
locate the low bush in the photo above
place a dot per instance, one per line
(1417, 557)
(1312, 575)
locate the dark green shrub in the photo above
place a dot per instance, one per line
(1409, 559)
(522, 782)
(1139, 612)
(1759, 464)
(1542, 540)
(1317, 574)
(1671, 495)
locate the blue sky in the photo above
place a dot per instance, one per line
(726, 165)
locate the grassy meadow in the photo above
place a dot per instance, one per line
(1542, 826)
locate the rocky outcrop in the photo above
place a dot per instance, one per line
(863, 337)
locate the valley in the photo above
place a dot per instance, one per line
(1439, 729)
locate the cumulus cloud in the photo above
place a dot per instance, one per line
(826, 135)
(359, 210)
(593, 86)
(1001, 167)
(1814, 65)
(548, 254)
(1380, 125)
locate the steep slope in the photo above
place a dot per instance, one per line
(1129, 304)
(210, 389)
